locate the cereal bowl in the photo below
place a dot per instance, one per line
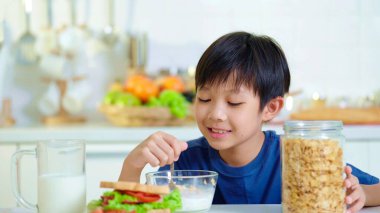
(197, 187)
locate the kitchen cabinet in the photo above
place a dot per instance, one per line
(107, 146)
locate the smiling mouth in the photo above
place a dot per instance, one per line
(218, 131)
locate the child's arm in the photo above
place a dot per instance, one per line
(159, 149)
(359, 195)
(372, 193)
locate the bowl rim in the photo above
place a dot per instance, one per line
(154, 174)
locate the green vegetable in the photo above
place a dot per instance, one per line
(121, 99)
(171, 201)
(176, 102)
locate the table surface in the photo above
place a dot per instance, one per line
(223, 209)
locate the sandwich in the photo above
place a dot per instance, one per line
(131, 197)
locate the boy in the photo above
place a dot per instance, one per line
(240, 83)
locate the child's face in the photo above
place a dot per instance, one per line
(228, 118)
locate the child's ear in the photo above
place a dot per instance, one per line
(272, 108)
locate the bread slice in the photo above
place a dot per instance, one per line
(133, 186)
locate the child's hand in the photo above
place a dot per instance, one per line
(159, 149)
(355, 196)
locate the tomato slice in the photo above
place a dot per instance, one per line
(144, 197)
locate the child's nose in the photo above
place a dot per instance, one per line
(217, 114)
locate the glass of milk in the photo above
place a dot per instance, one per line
(61, 176)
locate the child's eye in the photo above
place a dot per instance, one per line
(204, 100)
(235, 104)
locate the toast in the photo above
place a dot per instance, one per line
(133, 186)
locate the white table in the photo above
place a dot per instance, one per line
(224, 209)
(264, 209)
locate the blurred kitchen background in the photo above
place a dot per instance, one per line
(78, 61)
(332, 46)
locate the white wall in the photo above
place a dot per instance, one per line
(332, 46)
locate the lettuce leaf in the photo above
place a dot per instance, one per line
(171, 201)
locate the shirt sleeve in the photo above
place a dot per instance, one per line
(364, 178)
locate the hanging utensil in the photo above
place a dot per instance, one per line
(138, 45)
(87, 10)
(83, 25)
(49, 14)
(73, 14)
(143, 51)
(26, 53)
(46, 42)
(72, 38)
(109, 35)
(1, 36)
(95, 44)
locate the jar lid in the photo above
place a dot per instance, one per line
(319, 125)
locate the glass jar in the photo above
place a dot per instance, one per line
(312, 167)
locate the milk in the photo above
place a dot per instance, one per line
(192, 204)
(196, 200)
(61, 194)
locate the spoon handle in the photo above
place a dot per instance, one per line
(171, 183)
(172, 168)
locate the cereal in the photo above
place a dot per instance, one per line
(312, 175)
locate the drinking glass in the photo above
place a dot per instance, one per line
(61, 176)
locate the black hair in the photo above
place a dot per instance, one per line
(258, 62)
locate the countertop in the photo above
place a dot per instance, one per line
(224, 209)
(104, 132)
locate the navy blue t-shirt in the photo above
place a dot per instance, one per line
(258, 182)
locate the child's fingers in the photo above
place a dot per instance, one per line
(353, 197)
(158, 153)
(176, 148)
(177, 145)
(350, 180)
(184, 145)
(150, 158)
(169, 151)
(354, 194)
(355, 207)
(348, 170)
(347, 183)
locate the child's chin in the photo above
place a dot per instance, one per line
(218, 145)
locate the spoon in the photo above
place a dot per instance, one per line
(26, 50)
(172, 185)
